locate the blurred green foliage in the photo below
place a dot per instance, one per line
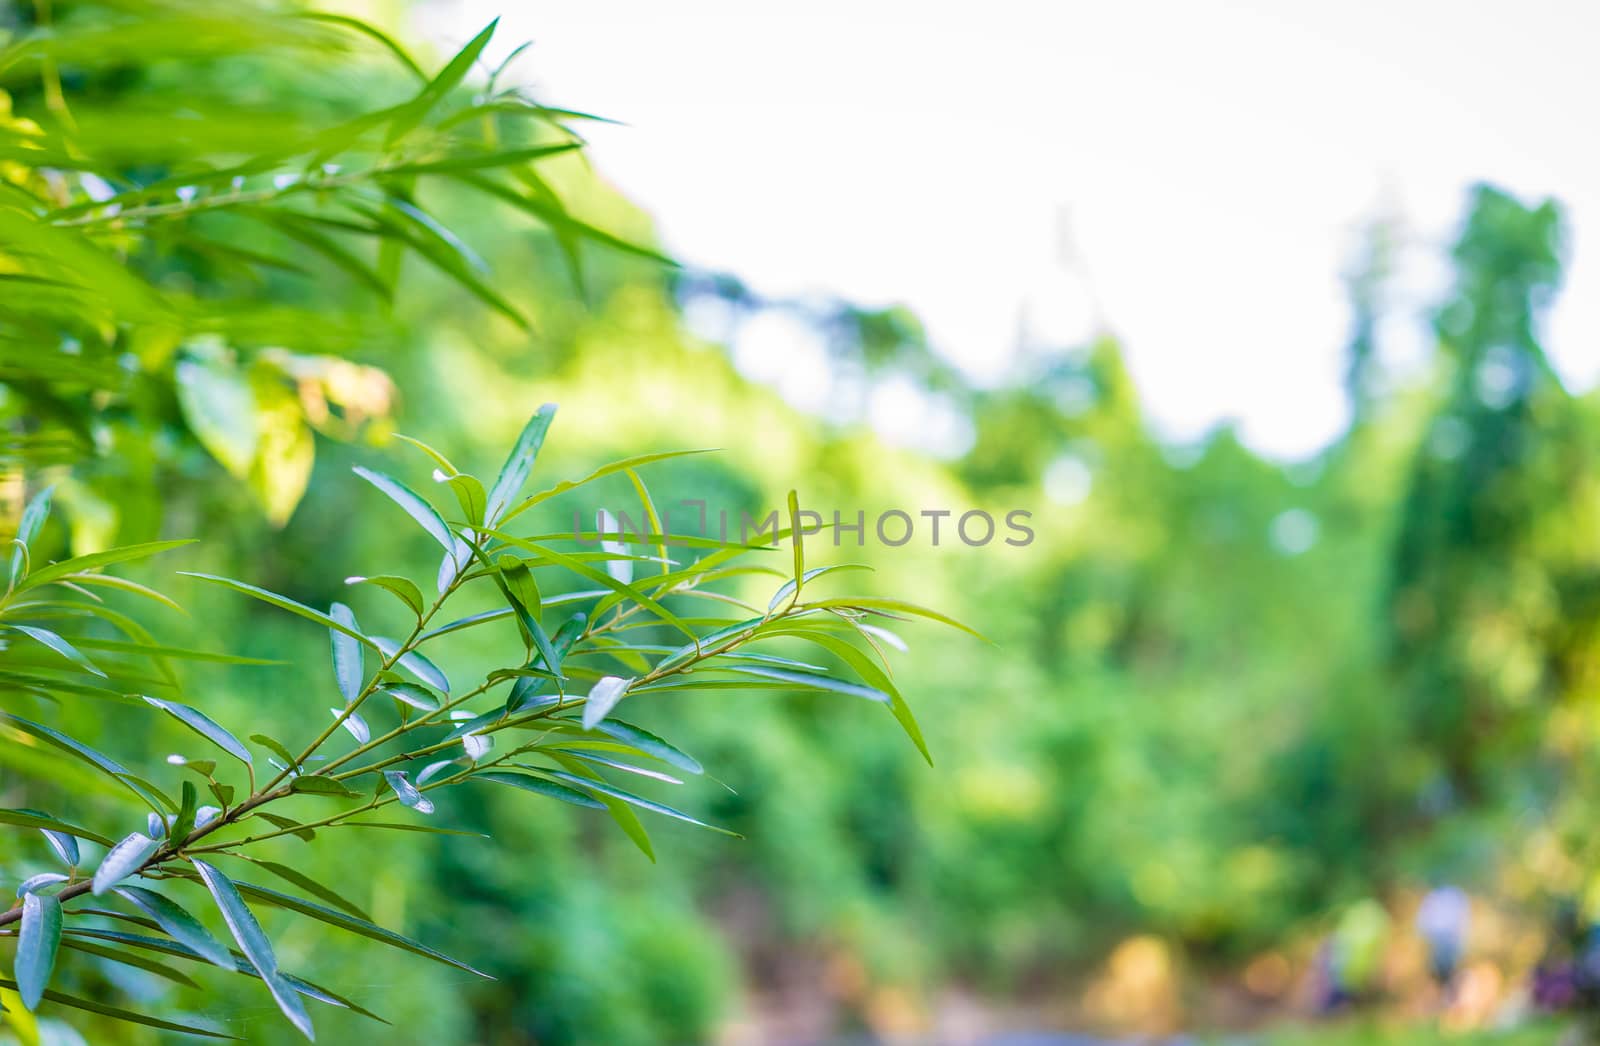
(1228, 696)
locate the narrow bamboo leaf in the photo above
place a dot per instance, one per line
(579, 567)
(35, 883)
(277, 748)
(628, 797)
(60, 646)
(648, 743)
(122, 860)
(33, 517)
(128, 957)
(403, 588)
(479, 161)
(95, 560)
(50, 825)
(396, 826)
(348, 670)
(540, 786)
(91, 1006)
(415, 506)
(414, 663)
(255, 945)
(898, 606)
(178, 653)
(435, 91)
(311, 886)
(869, 671)
(789, 587)
(178, 924)
(283, 603)
(108, 766)
(469, 494)
(614, 764)
(289, 825)
(349, 922)
(122, 584)
(620, 811)
(203, 725)
(372, 32)
(600, 473)
(797, 540)
(407, 792)
(418, 697)
(438, 458)
(811, 681)
(355, 724)
(317, 784)
(603, 697)
(188, 810)
(519, 464)
(64, 845)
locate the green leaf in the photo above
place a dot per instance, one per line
(790, 587)
(373, 33)
(37, 944)
(628, 797)
(188, 808)
(310, 885)
(178, 924)
(413, 662)
(896, 606)
(63, 845)
(317, 784)
(649, 744)
(810, 681)
(46, 823)
(600, 473)
(469, 494)
(797, 541)
(95, 560)
(397, 826)
(254, 943)
(438, 458)
(60, 646)
(418, 697)
(122, 860)
(539, 786)
(283, 603)
(478, 161)
(349, 922)
(407, 792)
(33, 517)
(124, 585)
(91, 1006)
(203, 725)
(348, 670)
(293, 827)
(869, 671)
(415, 111)
(620, 811)
(403, 589)
(577, 566)
(129, 958)
(179, 653)
(104, 764)
(415, 506)
(277, 748)
(603, 697)
(519, 464)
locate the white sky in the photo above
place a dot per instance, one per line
(1212, 161)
